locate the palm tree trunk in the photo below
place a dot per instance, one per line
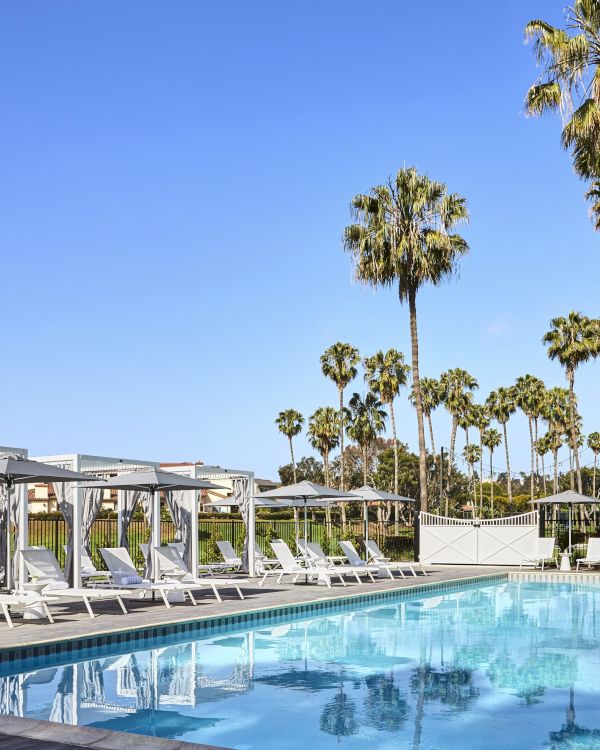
(293, 461)
(364, 452)
(451, 457)
(531, 489)
(544, 474)
(537, 455)
(571, 472)
(342, 486)
(480, 473)
(433, 453)
(326, 467)
(594, 476)
(508, 477)
(571, 377)
(555, 482)
(395, 439)
(492, 482)
(414, 337)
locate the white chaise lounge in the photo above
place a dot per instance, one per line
(125, 575)
(334, 563)
(542, 554)
(89, 571)
(24, 599)
(172, 563)
(592, 555)
(43, 566)
(290, 566)
(232, 561)
(355, 560)
(377, 557)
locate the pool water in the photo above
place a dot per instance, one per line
(510, 665)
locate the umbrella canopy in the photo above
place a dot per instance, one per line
(153, 481)
(259, 502)
(150, 480)
(17, 470)
(306, 490)
(370, 494)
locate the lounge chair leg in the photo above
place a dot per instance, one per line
(163, 593)
(192, 599)
(423, 569)
(6, 613)
(47, 612)
(370, 576)
(215, 592)
(88, 607)
(237, 588)
(122, 605)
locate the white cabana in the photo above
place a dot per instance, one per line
(19, 516)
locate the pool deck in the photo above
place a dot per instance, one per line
(71, 620)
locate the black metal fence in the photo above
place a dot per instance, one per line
(52, 533)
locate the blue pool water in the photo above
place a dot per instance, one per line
(510, 665)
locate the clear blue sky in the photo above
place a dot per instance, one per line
(175, 181)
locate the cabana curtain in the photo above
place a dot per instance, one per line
(182, 518)
(131, 499)
(241, 495)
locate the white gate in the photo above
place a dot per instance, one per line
(461, 541)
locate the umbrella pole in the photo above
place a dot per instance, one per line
(570, 524)
(366, 518)
(8, 582)
(305, 541)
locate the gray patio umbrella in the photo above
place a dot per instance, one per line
(16, 470)
(153, 481)
(369, 494)
(304, 495)
(570, 498)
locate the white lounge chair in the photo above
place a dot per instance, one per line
(542, 554)
(125, 575)
(289, 566)
(172, 563)
(376, 555)
(335, 563)
(24, 599)
(355, 559)
(232, 561)
(592, 555)
(89, 570)
(43, 566)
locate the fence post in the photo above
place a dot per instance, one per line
(416, 540)
(56, 547)
(542, 521)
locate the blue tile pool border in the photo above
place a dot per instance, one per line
(52, 653)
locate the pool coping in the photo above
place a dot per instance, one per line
(44, 732)
(143, 637)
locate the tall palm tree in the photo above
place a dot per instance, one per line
(570, 82)
(555, 441)
(481, 420)
(472, 455)
(290, 424)
(501, 404)
(491, 439)
(338, 363)
(466, 416)
(385, 373)
(573, 340)
(593, 442)
(455, 385)
(531, 392)
(542, 448)
(324, 434)
(366, 422)
(404, 235)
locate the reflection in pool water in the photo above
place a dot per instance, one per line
(514, 665)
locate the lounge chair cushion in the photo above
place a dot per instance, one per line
(130, 580)
(52, 585)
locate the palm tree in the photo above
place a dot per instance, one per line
(466, 416)
(404, 235)
(530, 398)
(338, 363)
(455, 385)
(472, 455)
(366, 422)
(501, 404)
(481, 419)
(385, 374)
(573, 340)
(541, 448)
(324, 434)
(555, 410)
(431, 398)
(593, 442)
(569, 82)
(491, 439)
(290, 424)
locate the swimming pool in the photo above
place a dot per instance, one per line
(508, 665)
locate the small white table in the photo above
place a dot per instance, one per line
(35, 610)
(176, 597)
(565, 561)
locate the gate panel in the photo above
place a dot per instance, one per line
(452, 543)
